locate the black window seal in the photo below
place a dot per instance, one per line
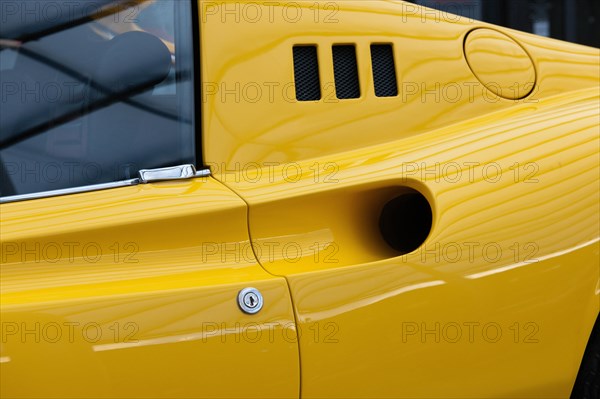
(197, 82)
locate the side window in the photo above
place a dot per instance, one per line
(93, 92)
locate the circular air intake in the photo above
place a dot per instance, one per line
(405, 222)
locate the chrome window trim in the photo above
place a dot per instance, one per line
(171, 173)
(67, 191)
(87, 189)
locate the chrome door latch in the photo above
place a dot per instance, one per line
(180, 172)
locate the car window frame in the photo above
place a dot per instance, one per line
(186, 20)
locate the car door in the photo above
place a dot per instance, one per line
(124, 270)
(439, 231)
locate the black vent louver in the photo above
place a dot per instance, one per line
(306, 73)
(345, 68)
(384, 70)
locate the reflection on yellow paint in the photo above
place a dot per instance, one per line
(500, 63)
(513, 184)
(66, 315)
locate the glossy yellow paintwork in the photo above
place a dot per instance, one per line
(132, 292)
(250, 112)
(501, 298)
(520, 249)
(500, 63)
(499, 301)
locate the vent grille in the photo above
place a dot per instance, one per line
(306, 73)
(345, 68)
(384, 70)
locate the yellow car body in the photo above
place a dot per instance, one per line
(134, 294)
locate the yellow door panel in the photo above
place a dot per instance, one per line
(132, 292)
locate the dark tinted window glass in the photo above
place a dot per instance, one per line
(92, 98)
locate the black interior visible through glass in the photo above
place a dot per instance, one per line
(95, 102)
